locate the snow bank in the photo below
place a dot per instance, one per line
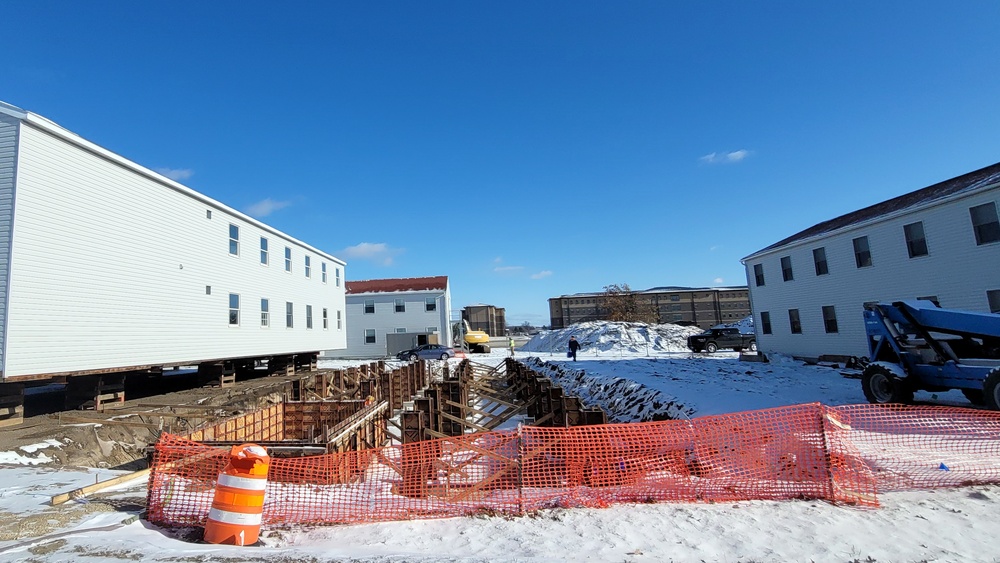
(745, 325)
(614, 336)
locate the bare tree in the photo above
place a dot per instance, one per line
(623, 304)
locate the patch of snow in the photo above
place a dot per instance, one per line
(42, 445)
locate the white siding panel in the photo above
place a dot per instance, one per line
(8, 171)
(955, 270)
(110, 269)
(386, 320)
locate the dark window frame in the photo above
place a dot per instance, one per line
(765, 322)
(916, 243)
(758, 275)
(819, 261)
(986, 229)
(862, 256)
(993, 300)
(794, 321)
(830, 319)
(786, 268)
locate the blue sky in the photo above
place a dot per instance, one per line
(524, 149)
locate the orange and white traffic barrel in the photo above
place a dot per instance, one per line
(239, 497)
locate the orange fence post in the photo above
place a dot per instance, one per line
(238, 505)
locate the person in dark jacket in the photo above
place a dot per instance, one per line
(574, 345)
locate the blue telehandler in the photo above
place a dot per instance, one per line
(916, 345)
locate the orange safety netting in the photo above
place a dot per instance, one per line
(842, 454)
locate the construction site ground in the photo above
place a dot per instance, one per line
(118, 436)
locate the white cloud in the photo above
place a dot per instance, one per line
(378, 252)
(508, 268)
(713, 248)
(542, 274)
(497, 260)
(726, 157)
(265, 207)
(718, 280)
(176, 174)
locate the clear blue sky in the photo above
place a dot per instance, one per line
(525, 149)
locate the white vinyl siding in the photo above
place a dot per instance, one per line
(385, 319)
(122, 282)
(8, 164)
(947, 231)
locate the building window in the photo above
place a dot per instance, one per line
(288, 259)
(336, 273)
(862, 254)
(308, 267)
(758, 274)
(289, 316)
(326, 320)
(234, 240)
(322, 270)
(265, 312)
(369, 306)
(208, 213)
(932, 298)
(993, 296)
(985, 223)
(916, 244)
(765, 322)
(819, 259)
(339, 322)
(829, 318)
(786, 268)
(400, 331)
(430, 304)
(263, 251)
(675, 306)
(793, 321)
(234, 309)
(369, 336)
(208, 290)
(432, 329)
(309, 316)
(678, 317)
(400, 305)
(675, 297)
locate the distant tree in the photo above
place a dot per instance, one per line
(623, 304)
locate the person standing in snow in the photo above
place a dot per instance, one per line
(574, 345)
(510, 342)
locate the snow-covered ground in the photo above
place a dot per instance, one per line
(940, 525)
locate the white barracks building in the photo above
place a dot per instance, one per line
(107, 266)
(940, 243)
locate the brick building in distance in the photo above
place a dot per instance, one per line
(703, 307)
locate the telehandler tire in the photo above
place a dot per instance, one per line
(991, 390)
(881, 386)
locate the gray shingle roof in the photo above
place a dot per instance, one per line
(965, 182)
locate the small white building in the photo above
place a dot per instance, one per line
(107, 266)
(940, 243)
(383, 315)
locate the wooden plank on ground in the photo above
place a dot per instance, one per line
(64, 497)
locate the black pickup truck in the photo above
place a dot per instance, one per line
(715, 338)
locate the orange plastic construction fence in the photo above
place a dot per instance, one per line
(843, 454)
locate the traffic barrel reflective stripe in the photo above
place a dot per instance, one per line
(237, 509)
